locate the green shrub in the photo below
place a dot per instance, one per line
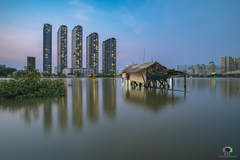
(28, 84)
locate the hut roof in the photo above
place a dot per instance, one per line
(138, 67)
(172, 73)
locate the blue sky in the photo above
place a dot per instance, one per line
(171, 31)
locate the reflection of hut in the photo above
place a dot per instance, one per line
(149, 73)
(152, 99)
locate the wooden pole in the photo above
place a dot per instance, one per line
(185, 83)
(172, 82)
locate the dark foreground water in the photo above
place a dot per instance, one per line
(102, 119)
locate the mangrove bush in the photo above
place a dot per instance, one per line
(28, 84)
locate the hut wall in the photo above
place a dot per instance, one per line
(138, 76)
(124, 75)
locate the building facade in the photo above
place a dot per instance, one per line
(85, 71)
(47, 48)
(235, 63)
(227, 64)
(109, 56)
(92, 51)
(31, 63)
(212, 68)
(62, 48)
(238, 63)
(55, 70)
(190, 70)
(77, 47)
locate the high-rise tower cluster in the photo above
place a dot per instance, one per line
(229, 64)
(92, 59)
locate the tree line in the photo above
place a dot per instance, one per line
(6, 71)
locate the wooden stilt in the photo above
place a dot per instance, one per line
(185, 82)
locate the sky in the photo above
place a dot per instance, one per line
(172, 32)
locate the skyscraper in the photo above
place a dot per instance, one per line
(109, 56)
(47, 48)
(62, 48)
(92, 51)
(77, 47)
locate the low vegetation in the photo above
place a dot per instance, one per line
(104, 75)
(6, 71)
(28, 84)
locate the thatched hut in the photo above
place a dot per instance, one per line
(149, 73)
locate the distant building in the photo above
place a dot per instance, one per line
(109, 56)
(2, 66)
(92, 51)
(197, 69)
(62, 48)
(212, 68)
(47, 48)
(235, 63)
(190, 70)
(55, 70)
(227, 64)
(77, 47)
(203, 69)
(85, 71)
(238, 63)
(31, 63)
(66, 71)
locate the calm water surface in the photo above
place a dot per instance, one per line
(102, 119)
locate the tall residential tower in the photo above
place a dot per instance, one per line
(47, 48)
(227, 64)
(62, 48)
(77, 47)
(92, 51)
(109, 56)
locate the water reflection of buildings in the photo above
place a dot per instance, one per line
(47, 115)
(69, 108)
(62, 112)
(92, 99)
(152, 99)
(229, 88)
(77, 103)
(109, 96)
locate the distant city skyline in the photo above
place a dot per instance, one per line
(171, 32)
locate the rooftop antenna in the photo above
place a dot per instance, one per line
(152, 59)
(144, 56)
(133, 62)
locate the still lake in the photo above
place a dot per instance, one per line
(102, 119)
